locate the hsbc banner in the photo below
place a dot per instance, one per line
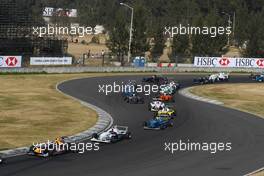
(10, 61)
(50, 61)
(229, 62)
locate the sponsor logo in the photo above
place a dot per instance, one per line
(224, 61)
(11, 61)
(229, 62)
(260, 62)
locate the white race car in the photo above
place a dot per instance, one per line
(114, 134)
(213, 78)
(218, 77)
(223, 76)
(156, 105)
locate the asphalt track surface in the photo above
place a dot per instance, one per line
(144, 154)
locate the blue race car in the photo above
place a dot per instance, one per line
(134, 99)
(158, 123)
(260, 78)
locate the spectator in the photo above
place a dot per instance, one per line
(89, 54)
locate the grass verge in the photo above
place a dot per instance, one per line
(244, 97)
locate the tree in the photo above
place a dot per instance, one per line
(140, 43)
(180, 46)
(118, 37)
(255, 44)
(159, 43)
(209, 44)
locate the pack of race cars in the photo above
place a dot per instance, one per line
(163, 113)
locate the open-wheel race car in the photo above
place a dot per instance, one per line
(134, 99)
(57, 147)
(156, 105)
(155, 80)
(167, 111)
(165, 98)
(114, 134)
(158, 123)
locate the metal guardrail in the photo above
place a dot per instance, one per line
(124, 69)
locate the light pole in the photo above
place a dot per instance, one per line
(229, 24)
(131, 31)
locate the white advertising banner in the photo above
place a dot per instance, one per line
(10, 61)
(228, 62)
(50, 61)
(50, 11)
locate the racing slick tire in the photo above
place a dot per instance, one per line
(114, 139)
(1, 160)
(128, 135)
(149, 107)
(95, 135)
(163, 127)
(174, 114)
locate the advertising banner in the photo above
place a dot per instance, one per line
(50, 11)
(50, 61)
(10, 61)
(228, 62)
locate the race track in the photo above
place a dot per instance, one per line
(144, 154)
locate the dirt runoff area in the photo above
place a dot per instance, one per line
(245, 97)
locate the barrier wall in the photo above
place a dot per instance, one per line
(125, 69)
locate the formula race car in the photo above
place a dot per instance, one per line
(223, 76)
(260, 78)
(165, 98)
(201, 80)
(170, 88)
(112, 135)
(130, 88)
(158, 123)
(254, 76)
(134, 99)
(59, 146)
(218, 77)
(155, 80)
(156, 105)
(167, 111)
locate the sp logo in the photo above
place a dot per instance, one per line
(11, 61)
(224, 61)
(260, 62)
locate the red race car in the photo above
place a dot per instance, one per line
(165, 98)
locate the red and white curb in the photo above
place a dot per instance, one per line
(186, 92)
(104, 122)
